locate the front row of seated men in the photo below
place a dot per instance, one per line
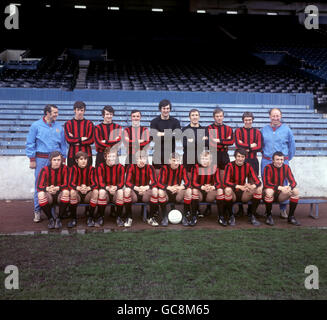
(110, 183)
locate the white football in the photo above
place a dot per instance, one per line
(175, 216)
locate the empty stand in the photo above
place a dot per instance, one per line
(51, 73)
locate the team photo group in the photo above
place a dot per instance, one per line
(154, 173)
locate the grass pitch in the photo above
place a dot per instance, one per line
(163, 264)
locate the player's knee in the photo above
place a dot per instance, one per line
(220, 192)
(120, 194)
(102, 193)
(295, 192)
(161, 193)
(188, 192)
(95, 194)
(73, 194)
(269, 193)
(155, 192)
(228, 191)
(65, 193)
(258, 190)
(41, 195)
(195, 192)
(127, 192)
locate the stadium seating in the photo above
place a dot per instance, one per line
(204, 77)
(51, 73)
(310, 129)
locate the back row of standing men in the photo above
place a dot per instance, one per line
(46, 135)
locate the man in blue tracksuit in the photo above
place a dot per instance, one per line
(277, 136)
(45, 136)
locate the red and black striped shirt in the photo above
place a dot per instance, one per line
(136, 176)
(134, 135)
(79, 129)
(274, 177)
(111, 176)
(205, 175)
(222, 132)
(79, 176)
(52, 177)
(236, 175)
(170, 177)
(108, 132)
(249, 136)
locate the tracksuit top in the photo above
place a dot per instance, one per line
(281, 139)
(44, 138)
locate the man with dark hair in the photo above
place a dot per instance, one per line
(250, 139)
(141, 186)
(107, 134)
(45, 136)
(172, 189)
(52, 186)
(79, 134)
(136, 137)
(111, 179)
(277, 136)
(160, 127)
(236, 188)
(274, 176)
(221, 137)
(83, 188)
(194, 140)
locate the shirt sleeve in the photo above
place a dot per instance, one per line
(63, 143)
(68, 130)
(194, 177)
(90, 134)
(42, 179)
(238, 137)
(291, 145)
(31, 143)
(290, 178)
(121, 179)
(227, 177)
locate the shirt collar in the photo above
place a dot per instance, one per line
(49, 124)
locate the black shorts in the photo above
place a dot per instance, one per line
(276, 195)
(222, 159)
(110, 197)
(171, 196)
(82, 196)
(204, 195)
(239, 194)
(139, 197)
(55, 197)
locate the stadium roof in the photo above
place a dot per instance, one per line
(181, 6)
